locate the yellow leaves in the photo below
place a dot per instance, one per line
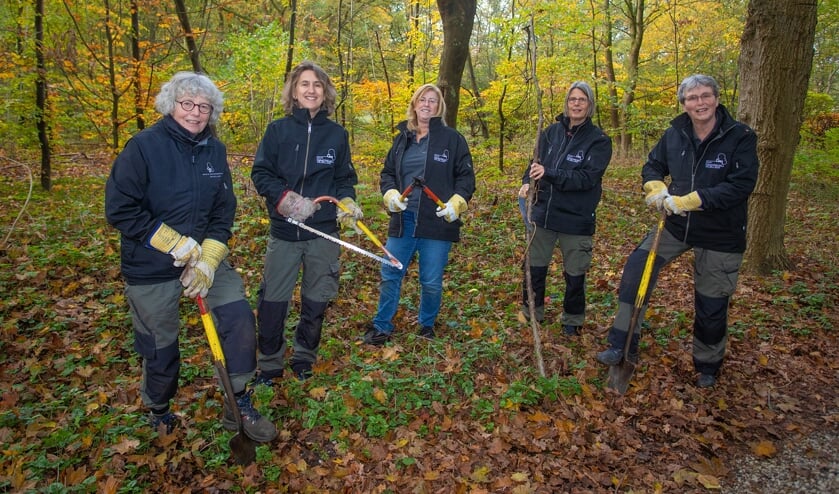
(520, 477)
(318, 393)
(763, 360)
(380, 395)
(764, 448)
(480, 474)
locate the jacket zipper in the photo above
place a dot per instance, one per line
(565, 144)
(695, 168)
(305, 162)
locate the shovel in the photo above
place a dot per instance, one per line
(242, 447)
(620, 374)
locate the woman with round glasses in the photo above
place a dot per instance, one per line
(573, 156)
(170, 196)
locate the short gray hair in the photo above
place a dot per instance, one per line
(193, 84)
(696, 80)
(584, 87)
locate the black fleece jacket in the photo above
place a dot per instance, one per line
(165, 175)
(575, 159)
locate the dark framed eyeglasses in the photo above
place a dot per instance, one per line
(188, 105)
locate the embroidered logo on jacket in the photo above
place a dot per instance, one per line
(717, 163)
(328, 159)
(442, 158)
(575, 158)
(210, 171)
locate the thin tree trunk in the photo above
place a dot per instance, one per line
(292, 23)
(387, 83)
(479, 102)
(112, 78)
(192, 47)
(41, 98)
(775, 62)
(136, 59)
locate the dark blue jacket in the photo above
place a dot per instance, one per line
(165, 175)
(310, 156)
(722, 169)
(448, 171)
(575, 160)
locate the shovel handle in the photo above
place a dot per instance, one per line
(210, 329)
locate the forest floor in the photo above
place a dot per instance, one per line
(465, 413)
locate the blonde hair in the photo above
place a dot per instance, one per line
(411, 113)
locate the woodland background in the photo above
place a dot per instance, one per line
(467, 412)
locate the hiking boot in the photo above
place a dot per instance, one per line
(706, 381)
(265, 378)
(426, 332)
(167, 419)
(614, 356)
(256, 426)
(375, 337)
(302, 370)
(571, 330)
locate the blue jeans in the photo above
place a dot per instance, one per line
(433, 255)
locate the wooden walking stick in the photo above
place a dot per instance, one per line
(531, 193)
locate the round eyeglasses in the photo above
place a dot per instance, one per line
(188, 105)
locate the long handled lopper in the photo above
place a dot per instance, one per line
(419, 182)
(242, 447)
(620, 374)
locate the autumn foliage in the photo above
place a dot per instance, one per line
(466, 413)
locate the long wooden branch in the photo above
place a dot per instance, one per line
(531, 193)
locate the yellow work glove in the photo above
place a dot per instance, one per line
(455, 206)
(682, 204)
(349, 214)
(185, 250)
(198, 279)
(656, 194)
(393, 201)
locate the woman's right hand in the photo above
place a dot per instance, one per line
(536, 171)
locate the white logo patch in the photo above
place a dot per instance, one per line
(328, 159)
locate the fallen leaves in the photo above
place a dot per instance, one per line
(764, 449)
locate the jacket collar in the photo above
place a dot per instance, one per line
(182, 135)
(302, 115)
(566, 122)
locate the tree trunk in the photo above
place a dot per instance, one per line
(609, 68)
(292, 23)
(775, 62)
(458, 17)
(41, 98)
(191, 46)
(136, 59)
(479, 101)
(112, 78)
